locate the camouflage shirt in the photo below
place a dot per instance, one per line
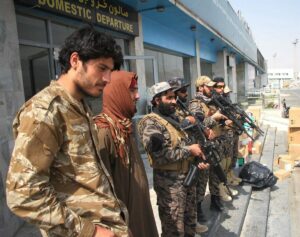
(196, 107)
(201, 105)
(158, 142)
(180, 114)
(56, 178)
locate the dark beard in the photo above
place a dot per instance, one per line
(183, 99)
(207, 94)
(84, 93)
(166, 109)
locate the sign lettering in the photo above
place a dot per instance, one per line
(109, 14)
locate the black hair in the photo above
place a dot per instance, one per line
(89, 44)
(218, 79)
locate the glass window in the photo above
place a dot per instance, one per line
(149, 73)
(169, 65)
(206, 69)
(32, 29)
(60, 33)
(35, 69)
(40, 70)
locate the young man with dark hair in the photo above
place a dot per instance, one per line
(56, 178)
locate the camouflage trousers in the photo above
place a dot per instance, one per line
(227, 144)
(176, 204)
(235, 150)
(213, 184)
(210, 175)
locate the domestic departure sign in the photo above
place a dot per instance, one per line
(106, 13)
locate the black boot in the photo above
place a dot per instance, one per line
(200, 214)
(216, 203)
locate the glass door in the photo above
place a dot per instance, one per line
(35, 63)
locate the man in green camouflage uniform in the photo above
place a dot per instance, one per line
(226, 138)
(201, 107)
(170, 153)
(231, 141)
(181, 93)
(56, 179)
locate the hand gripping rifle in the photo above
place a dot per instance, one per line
(230, 113)
(208, 147)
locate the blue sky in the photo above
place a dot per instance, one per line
(275, 24)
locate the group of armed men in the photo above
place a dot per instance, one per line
(76, 174)
(169, 135)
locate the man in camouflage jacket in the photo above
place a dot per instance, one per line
(56, 179)
(231, 142)
(170, 153)
(210, 115)
(181, 93)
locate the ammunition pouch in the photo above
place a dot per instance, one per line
(176, 136)
(180, 166)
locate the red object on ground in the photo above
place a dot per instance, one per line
(250, 145)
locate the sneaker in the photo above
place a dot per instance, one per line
(234, 177)
(223, 193)
(201, 228)
(233, 192)
(231, 181)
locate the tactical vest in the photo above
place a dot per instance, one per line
(176, 137)
(180, 114)
(209, 111)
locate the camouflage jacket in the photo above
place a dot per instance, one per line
(196, 106)
(56, 178)
(158, 142)
(180, 114)
(200, 105)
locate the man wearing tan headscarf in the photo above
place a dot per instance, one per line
(120, 154)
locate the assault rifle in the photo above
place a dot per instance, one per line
(208, 147)
(244, 117)
(231, 113)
